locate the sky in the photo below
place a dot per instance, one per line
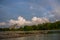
(29, 11)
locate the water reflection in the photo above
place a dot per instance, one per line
(38, 37)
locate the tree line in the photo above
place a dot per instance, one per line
(44, 26)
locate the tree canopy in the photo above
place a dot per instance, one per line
(44, 26)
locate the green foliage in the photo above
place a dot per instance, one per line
(21, 29)
(44, 26)
(28, 28)
(4, 29)
(40, 26)
(34, 27)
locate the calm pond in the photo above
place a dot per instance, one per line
(53, 36)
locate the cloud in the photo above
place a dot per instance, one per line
(41, 6)
(2, 23)
(37, 20)
(21, 21)
(56, 8)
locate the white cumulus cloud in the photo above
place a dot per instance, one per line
(2, 23)
(21, 21)
(35, 20)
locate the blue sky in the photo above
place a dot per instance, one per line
(12, 9)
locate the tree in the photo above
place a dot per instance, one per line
(21, 29)
(35, 27)
(28, 28)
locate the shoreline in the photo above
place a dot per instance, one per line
(16, 34)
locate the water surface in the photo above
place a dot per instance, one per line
(54, 36)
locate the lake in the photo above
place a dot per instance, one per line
(53, 36)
